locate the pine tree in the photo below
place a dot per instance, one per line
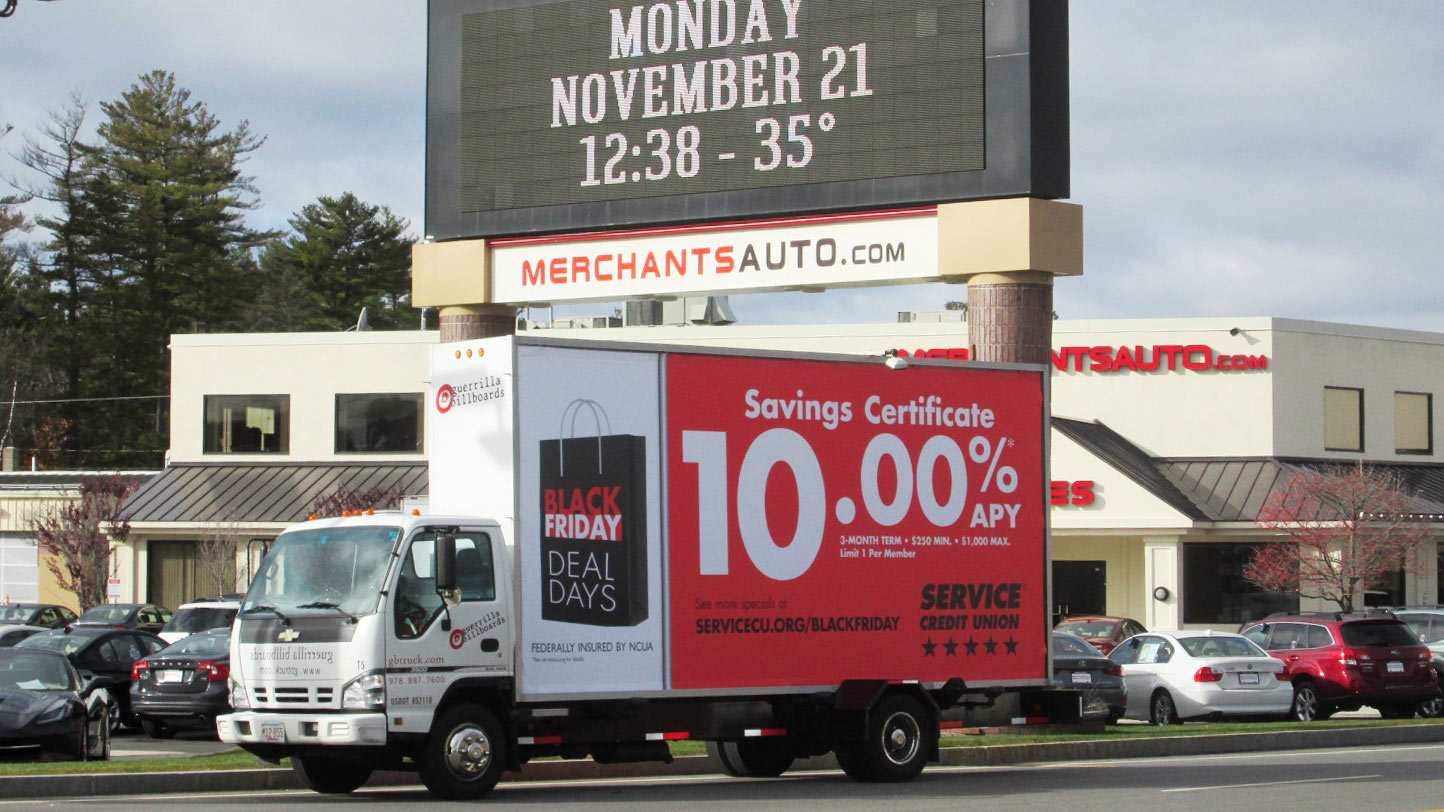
(343, 255)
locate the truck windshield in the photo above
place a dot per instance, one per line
(323, 570)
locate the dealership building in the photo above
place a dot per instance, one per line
(1168, 435)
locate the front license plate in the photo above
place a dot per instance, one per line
(169, 676)
(1394, 667)
(1082, 678)
(1248, 678)
(273, 733)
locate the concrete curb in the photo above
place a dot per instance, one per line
(100, 784)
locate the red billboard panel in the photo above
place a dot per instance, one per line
(832, 521)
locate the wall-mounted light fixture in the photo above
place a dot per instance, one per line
(1161, 593)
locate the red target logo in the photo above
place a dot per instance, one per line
(458, 638)
(443, 398)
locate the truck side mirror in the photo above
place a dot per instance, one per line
(445, 562)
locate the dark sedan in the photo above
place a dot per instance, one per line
(184, 685)
(105, 653)
(10, 633)
(46, 710)
(49, 615)
(1077, 664)
(144, 616)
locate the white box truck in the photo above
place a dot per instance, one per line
(629, 545)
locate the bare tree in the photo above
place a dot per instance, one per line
(216, 558)
(1346, 530)
(78, 535)
(348, 498)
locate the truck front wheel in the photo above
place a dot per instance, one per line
(464, 754)
(899, 737)
(328, 775)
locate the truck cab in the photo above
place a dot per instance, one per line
(344, 647)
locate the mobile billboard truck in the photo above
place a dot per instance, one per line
(627, 545)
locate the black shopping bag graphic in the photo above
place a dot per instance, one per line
(594, 525)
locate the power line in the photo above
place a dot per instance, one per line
(85, 400)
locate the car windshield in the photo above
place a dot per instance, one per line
(323, 569)
(1073, 647)
(1220, 646)
(29, 671)
(61, 642)
(1088, 628)
(1378, 633)
(201, 645)
(201, 619)
(106, 614)
(15, 613)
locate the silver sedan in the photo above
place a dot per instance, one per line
(1177, 675)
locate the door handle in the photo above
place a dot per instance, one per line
(490, 645)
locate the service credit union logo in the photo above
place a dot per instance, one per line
(443, 398)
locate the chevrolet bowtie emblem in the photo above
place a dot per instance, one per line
(288, 635)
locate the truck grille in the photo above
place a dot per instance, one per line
(293, 697)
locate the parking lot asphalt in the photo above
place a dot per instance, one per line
(150, 783)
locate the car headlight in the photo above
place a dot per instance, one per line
(54, 713)
(366, 692)
(239, 700)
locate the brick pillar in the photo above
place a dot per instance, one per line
(1010, 317)
(465, 322)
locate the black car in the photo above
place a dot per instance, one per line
(144, 616)
(10, 633)
(49, 615)
(1077, 664)
(187, 684)
(46, 709)
(105, 653)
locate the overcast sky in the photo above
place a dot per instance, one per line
(1233, 157)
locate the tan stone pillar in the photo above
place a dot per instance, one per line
(1010, 317)
(465, 322)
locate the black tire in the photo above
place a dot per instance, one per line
(464, 754)
(901, 733)
(1306, 707)
(752, 758)
(329, 776)
(112, 714)
(719, 758)
(1432, 708)
(98, 748)
(1161, 710)
(156, 729)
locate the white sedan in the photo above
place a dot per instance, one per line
(1172, 676)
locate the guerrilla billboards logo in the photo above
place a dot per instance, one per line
(483, 389)
(593, 525)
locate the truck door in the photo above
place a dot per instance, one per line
(430, 645)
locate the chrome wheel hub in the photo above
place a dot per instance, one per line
(468, 752)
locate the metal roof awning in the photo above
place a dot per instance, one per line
(260, 492)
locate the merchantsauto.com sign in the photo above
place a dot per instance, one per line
(569, 115)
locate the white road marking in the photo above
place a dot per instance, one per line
(1270, 783)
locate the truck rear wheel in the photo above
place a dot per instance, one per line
(751, 758)
(900, 735)
(329, 776)
(464, 754)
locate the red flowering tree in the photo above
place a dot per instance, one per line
(77, 536)
(1346, 530)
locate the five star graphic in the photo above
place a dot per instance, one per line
(970, 647)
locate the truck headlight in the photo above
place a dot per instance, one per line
(366, 692)
(239, 700)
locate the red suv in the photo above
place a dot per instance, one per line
(1345, 661)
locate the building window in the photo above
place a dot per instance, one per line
(19, 568)
(1214, 589)
(1343, 419)
(1413, 423)
(369, 424)
(248, 424)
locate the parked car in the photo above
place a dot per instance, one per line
(1341, 661)
(144, 616)
(185, 684)
(1427, 623)
(12, 633)
(47, 708)
(1177, 675)
(105, 653)
(49, 615)
(1101, 632)
(201, 616)
(1076, 664)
